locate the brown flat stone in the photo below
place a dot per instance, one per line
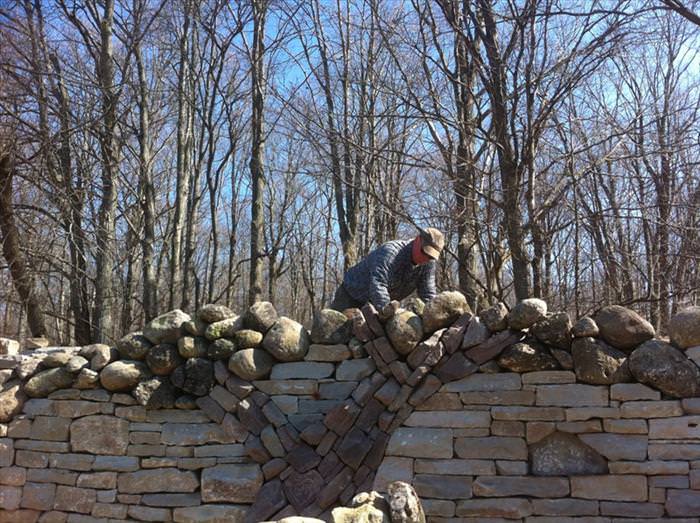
(251, 416)
(492, 347)
(369, 415)
(339, 419)
(455, 367)
(302, 489)
(303, 458)
(353, 448)
(333, 489)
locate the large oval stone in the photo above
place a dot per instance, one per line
(287, 340)
(212, 312)
(251, 364)
(554, 330)
(123, 375)
(331, 327)
(443, 310)
(247, 339)
(526, 313)
(529, 356)
(133, 346)
(623, 328)
(684, 328)
(224, 328)
(163, 359)
(45, 382)
(598, 363)
(100, 435)
(193, 346)
(261, 316)
(12, 399)
(405, 331)
(195, 377)
(564, 454)
(166, 328)
(665, 368)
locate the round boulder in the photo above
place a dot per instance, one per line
(86, 379)
(586, 327)
(526, 313)
(527, 356)
(331, 327)
(684, 328)
(57, 358)
(261, 316)
(12, 398)
(211, 313)
(76, 364)
(224, 328)
(405, 330)
(123, 375)
(598, 363)
(554, 330)
(221, 349)
(166, 328)
(134, 346)
(443, 310)
(45, 382)
(495, 317)
(186, 402)
(247, 339)
(195, 327)
(251, 364)
(192, 346)
(195, 377)
(623, 328)
(413, 304)
(662, 366)
(155, 393)
(163, 359)
(287, 340)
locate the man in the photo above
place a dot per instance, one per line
(393, 271)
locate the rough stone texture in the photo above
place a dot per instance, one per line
(224, 328)
(159, 480)
(421, 443)
(166, 328)
(585, 327)
(220, 349)
(251, 364)
(237, 483)
(354, 370)
(260, 316)
(247, 339)
(572, 395)
(211, 313)
(48, 381)
(664, 367)
(528, 356)
(684, 328)
(618, 447)
(163, 359)
(683, 503)
(521, 486)
(623, 328)
(123, 375)
(331, 327)
(331, 353)
(155, 393)
(443, 310)
(495, 317)
(526, 313)
(302, 370)
(195, 377)
(484, 509)
(554, 330)
(475, 333)
(597, 363)
(100, 435)
(287, 340)
(494, 447)
(405, 330)
(12, 399)
(626, 487)
(564, 454)
(404, 505)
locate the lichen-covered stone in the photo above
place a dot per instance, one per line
(166, 328)
(261, 316)
(331, 327)
(527, 356)
(684, 328)
(623, 328)
(12, 398)
(221, 349)
(193, 346)
(287, 340)
(134, 346)
(163, 359)
(155, 393)
(404, 504)
(211, 313)
(586, 327)
(76, 364)
(195, 377)
(662, 366)
(106, 435)
(45, 382)
(247, 339)
(58, 357)
(414, 304)
(495, 318)
(598, 363)
(443, 310)
(237, 483)
(251, 364)
(405, 330)
(123, 375)
(224, 328)
(86, 379)
(564, 454)
(526, 313)
(554, 330)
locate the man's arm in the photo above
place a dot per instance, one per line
(426, 284)
(379, 280)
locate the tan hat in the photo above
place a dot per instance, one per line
(433, 242)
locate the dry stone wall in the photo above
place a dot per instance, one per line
(509, 415)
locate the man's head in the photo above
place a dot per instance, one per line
(427, 245)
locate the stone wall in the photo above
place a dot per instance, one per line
(517, 415)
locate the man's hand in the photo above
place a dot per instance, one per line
(389, 310)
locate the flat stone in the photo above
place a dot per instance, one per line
(548, 377)
(302, 370)
(75, 499)
(392, 469)
(455, 367)
(649, 468)
(100, 480)
(99, 435)
(455, 467)
(506, 397)
(329, 353)
(336, 390)
(572, 395)
(610, 487)
(14, 476)
(116, 463)
(141, 513)
(498, 486)
(491, 348)
(443, 487)
(270, 500)
(238, 483)
(38, 496)
(528, 413)
(288, 387)
(50, 428)
(421, 443)
(475, 334)
(445, 419)
(565, 507)
(191, 499)
(482, 509)
(159, 480)
(683, 427)
(442, 401)
(484, 382)
(626, 426)
(494, 447)
(633, 392)
(617, 447)
(354, 370)
(671, 451)
(651, 409)
(194, 434)
(586, 413)
(210, 514)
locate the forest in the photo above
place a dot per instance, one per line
(162, 154)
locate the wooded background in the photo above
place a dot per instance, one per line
(159, 154)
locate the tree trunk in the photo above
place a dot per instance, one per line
(12, 251)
